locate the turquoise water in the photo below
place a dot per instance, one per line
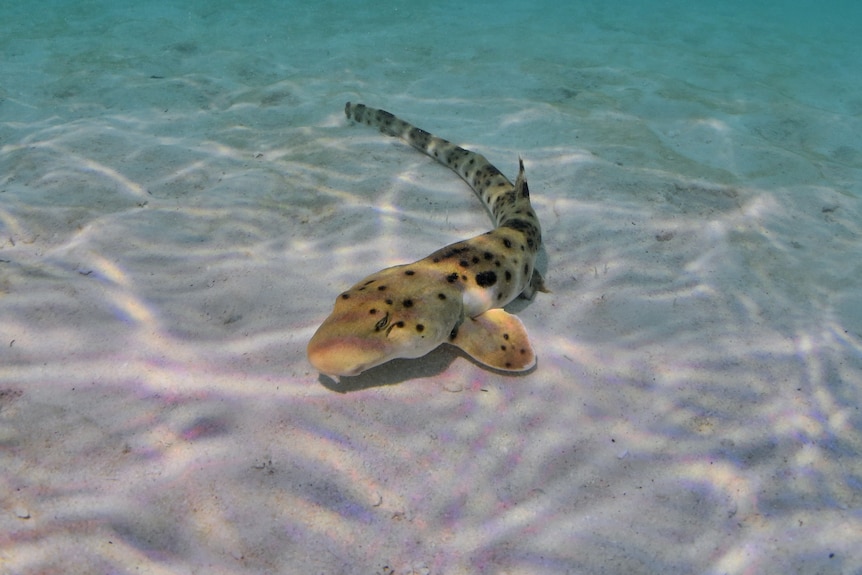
(181, 199)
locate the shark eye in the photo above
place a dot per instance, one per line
(382, 323)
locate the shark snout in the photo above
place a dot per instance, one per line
(344, 355)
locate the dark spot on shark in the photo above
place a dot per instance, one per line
(486, 279)
(521, 225)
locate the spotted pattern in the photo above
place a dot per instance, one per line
(452, 295)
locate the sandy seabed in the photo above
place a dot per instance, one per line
(181, 199)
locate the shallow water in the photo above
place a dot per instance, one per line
(181, 199)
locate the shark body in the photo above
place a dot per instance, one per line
(454, 295)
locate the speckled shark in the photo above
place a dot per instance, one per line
(453, 296)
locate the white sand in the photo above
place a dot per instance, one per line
(181, 200)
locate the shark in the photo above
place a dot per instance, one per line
(454, 296)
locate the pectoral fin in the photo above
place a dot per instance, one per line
(496, 339)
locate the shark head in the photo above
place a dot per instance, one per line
(400, 312)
